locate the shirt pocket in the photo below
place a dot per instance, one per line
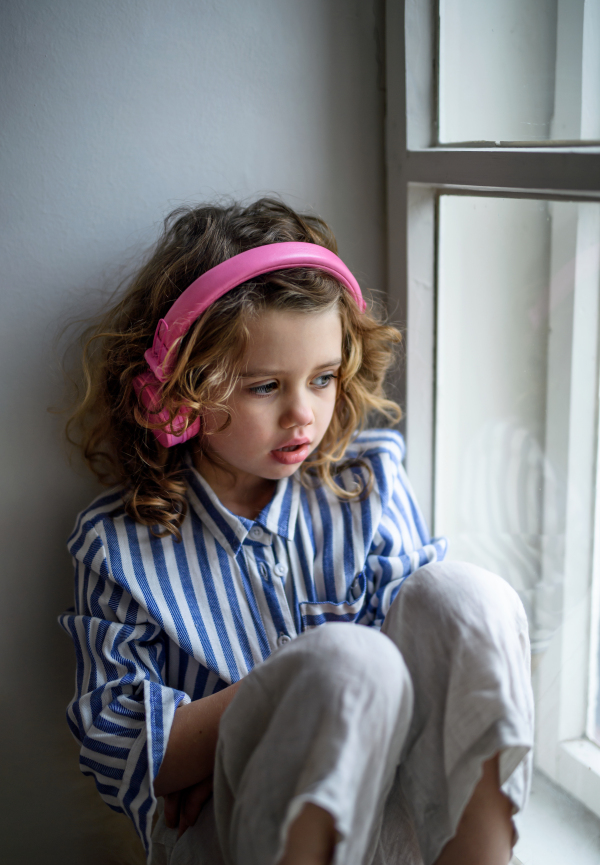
(314, 614)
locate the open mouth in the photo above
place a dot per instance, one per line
(292, 453)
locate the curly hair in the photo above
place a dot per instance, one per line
(107, 423)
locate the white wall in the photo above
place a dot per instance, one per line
(112, 114)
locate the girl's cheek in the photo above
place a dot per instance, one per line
(254, 420)
(212, 420)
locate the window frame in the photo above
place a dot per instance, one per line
(419, 170)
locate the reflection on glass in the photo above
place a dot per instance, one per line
(516, 398)
(519, 70)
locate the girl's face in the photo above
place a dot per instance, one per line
(286, 397)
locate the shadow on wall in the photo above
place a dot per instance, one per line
(59, 816)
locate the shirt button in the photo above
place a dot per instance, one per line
(280, 569)
(353, 591)
(282, 639)
(256, 532)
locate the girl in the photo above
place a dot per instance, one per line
(254, 526)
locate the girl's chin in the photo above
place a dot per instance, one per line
(277, 471)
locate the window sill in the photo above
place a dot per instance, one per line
(578, 771)
(555, 829)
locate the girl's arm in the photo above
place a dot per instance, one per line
(190, 754)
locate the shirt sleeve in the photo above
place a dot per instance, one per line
(401, 542)
(122, 710)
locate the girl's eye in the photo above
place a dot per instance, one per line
(323, 380)
(264, 389)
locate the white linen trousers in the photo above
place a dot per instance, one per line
(387, 731)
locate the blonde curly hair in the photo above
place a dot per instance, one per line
(107, 422)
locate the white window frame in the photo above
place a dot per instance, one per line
(418, 171)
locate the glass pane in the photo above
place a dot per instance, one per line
(519, 70)
(516, 398)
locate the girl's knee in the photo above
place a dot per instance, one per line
(345, 652)
(362, 649)
(456, 590)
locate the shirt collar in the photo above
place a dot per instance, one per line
(279, 516)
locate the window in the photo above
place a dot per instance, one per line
(493, 157)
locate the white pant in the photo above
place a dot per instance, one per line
(387, 731)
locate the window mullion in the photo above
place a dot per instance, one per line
(420, 345)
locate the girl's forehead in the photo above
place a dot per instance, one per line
(288, 339)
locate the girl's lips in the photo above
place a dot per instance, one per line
(291, 457)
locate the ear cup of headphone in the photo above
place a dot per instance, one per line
(148, 389)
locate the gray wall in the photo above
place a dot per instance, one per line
(112, 114)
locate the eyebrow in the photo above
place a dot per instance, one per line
(259, 373)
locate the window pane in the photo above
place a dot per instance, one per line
(519, 70)
(516, 398)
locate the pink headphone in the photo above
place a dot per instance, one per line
(190, 305)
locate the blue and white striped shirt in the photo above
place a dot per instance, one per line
(158, 623)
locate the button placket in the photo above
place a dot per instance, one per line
(280, 571)
(266, 568)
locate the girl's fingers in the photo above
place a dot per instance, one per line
(193, 800)
(172, 807)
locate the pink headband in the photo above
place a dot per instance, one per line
(196, 299)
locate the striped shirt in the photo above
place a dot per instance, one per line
(158, 623)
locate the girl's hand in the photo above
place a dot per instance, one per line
(183, 806)
(191, 803)
(172, 801)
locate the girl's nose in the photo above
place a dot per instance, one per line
(297, 413)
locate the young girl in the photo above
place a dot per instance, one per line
(259, 609)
